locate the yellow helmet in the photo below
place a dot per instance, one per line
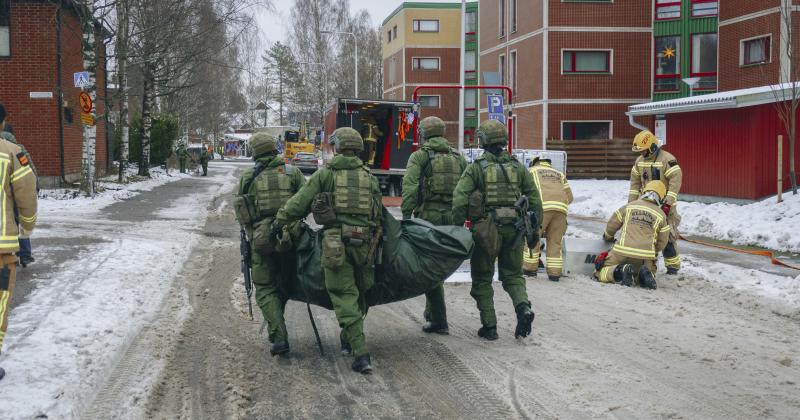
(657, 187)
(645, 140)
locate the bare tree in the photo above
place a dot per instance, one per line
(787, 92)
(279, 69)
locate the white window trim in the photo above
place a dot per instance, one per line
(610, 126)
(610, 61)
(741, 50)
(513, 71)
(503, 70)
(502, 19)
(439, 100)
(438, 26)
(512, 23)
(438, 63)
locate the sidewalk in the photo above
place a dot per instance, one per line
(103, 265)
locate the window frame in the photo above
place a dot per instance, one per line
(7, 27)
(693, 2)
(512, 11)
(609, 61)
(417, 61)
(513, 57)
(677, 75)
(610, 128)
(658, 5)
(416, 26)
(692, 73)
(502, 64)
(501, 11)
(743, 50)
(438, 101)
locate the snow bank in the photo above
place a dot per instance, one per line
(764, 223)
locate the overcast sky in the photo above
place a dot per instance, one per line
(275, 26)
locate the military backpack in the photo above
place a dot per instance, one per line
(500, 183)
(273, 188)
(352, 192)
(443, 175)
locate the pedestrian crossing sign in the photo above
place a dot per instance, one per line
(81, 79)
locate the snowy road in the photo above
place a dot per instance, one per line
(710, 343)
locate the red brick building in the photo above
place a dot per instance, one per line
(753, 41)
(40, 49)
(575, 67)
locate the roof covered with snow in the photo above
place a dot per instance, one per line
(238, 136)
(720, 100)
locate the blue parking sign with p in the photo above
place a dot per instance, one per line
(495, 105)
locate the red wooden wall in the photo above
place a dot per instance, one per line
(729, 153)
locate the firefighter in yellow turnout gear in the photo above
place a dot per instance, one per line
(644, 232)
(556, 197)
(656, 164)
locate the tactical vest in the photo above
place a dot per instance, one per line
(352, 192)
(499, 191)
(445, 170)
(273, 188)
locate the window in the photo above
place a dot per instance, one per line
(701, 8)
(668, 9)
(502, 18)
(704, 60)
(502, 67)
(668, 53)
(513, 8)
(470, 60)
(470, 103)
(426, 25)
(756, 51)
(472, 23)
(394, 32)
(585, 130)
(425, 63)
(389, 36)
(429, 101)
(513, 72)
(586, 62)
(392, 71)
(5, 32)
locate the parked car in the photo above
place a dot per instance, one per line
(306, 161)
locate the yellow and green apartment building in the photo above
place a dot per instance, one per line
(422, 47)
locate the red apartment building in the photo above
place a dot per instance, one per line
(40, 49)
(575, 66)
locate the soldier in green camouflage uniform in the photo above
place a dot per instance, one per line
(431, 176)
(183, 156)
(486, 193)
(355, 198)
(267, 187)
(204, 160)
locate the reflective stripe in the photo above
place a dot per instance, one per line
(673, 195)
(635, 171)
(527, 259)
(566, 187)
(665, 229)
(28, 219)
(633, 252)
(672, 170)
(555, 205)
(604, 274)
(672, 261)
(634, 192)
(619, 216)
(648, 210)
(651, 164)
(21, 172)
(4, 164)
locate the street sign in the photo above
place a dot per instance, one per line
(86, 102)
(495, 105)
(81, 79)
(86, 119)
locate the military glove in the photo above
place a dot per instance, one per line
(666, 208)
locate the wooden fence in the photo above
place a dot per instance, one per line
(610, 159)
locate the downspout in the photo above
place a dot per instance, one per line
(60, 97)
(634, 124)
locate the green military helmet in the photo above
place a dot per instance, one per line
(431, 127)
(345, 138)
(492, 132)
(263, 143)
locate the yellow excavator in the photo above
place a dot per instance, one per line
(297, 141)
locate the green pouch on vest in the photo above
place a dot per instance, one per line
(284, 242)
(505, 215)
(486, 236)
(262, 243)
(322, 209)
(245, 210)
(476, 201)
(333, 252)
(355, 235)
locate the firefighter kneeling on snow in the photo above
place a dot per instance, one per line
(644, 233)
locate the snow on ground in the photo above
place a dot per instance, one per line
(764, 223)
(65, 339)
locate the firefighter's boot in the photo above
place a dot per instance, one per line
(623, 275)
(646, 278)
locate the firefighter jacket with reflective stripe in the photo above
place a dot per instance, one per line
(553, 187)
(19, 191)
(354, 189)
(660, 166)
(431, 176)
(644, 230)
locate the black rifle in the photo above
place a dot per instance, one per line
(244, 249)
(525, 224)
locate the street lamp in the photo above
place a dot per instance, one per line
(355, 44)
(691, 81)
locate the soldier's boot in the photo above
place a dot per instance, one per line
(623, 275)
(524, 320)
(436, 327)
(279, 347)
(672, 271)
(347, 350)
(361, 365)
(488, 333)
(646, 278)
